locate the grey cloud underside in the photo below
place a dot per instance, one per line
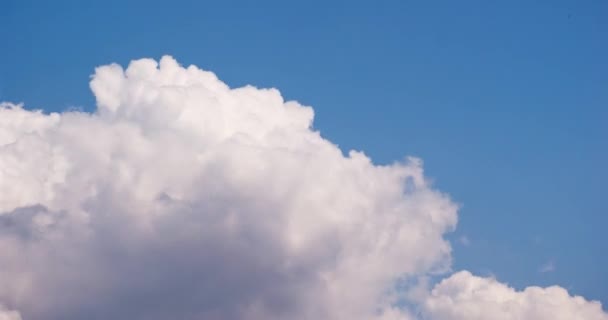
(112, 274)
(181, 198)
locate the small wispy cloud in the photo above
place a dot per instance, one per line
(549, 266)
(464, 240)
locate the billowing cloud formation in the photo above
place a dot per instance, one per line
(466, 297)
(181, 198)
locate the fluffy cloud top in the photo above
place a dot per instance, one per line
(466, 297)
(181, 198)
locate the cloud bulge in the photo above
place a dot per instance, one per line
(183, 198)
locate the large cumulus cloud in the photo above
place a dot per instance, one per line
(181, 198)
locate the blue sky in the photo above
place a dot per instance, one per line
(507, 103)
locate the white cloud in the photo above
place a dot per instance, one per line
(183, 198)
(6, 314)
(466, 297)
(192, 200)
